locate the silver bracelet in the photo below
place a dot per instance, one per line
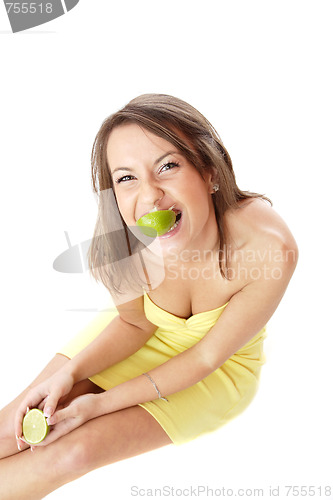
(156, 388)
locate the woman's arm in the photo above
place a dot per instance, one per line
(122, 337)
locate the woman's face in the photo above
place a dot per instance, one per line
(146, 169)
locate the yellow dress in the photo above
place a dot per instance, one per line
(201, 408)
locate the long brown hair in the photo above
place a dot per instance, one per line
(172, 119)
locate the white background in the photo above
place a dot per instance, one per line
(261, 73)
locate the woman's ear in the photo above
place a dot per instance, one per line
(212, 179)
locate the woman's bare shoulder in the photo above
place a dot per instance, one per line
(132, 312)
(255, 221)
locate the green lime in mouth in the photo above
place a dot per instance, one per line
(35, 428)
(157, 222)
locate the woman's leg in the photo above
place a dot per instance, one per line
(8, 444)
(101, 441)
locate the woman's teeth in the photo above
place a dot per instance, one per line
(178, 217)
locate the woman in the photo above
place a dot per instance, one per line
(184, 351)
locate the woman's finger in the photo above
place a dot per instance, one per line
(20, 442)
(42, 404)
(51, 403)
(24, 441)
(61, 415)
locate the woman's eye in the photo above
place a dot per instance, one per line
(164, 168)
(124, 178)
(169, 166)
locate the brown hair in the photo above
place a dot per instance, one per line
(167, 117)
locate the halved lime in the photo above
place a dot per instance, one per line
(157, 223)
(35, 427)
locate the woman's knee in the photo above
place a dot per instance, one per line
(73, 461)
(82, 451)
(8, 443)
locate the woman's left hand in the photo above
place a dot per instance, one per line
(63, 421)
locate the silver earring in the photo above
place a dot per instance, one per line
(216, 187)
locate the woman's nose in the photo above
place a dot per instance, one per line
(149, 193)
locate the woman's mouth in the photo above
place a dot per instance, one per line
(175, 228)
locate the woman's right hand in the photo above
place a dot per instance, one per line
(44, 396)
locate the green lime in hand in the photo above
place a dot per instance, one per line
(35, 427)
(157, 222)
